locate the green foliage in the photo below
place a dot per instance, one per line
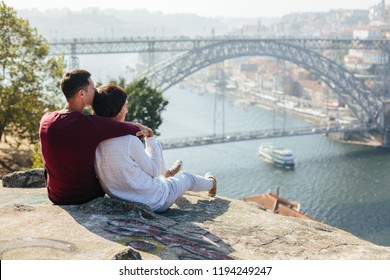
(29, 79)
(37, 160)
(145, 103)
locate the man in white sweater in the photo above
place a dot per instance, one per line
(129, 171)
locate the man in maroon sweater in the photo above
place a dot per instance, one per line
(69, 139)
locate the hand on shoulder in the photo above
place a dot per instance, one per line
(144, 130)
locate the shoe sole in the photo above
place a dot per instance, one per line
(213, 190)
(174, 170)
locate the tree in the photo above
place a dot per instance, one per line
(145, 103)
(29, 79)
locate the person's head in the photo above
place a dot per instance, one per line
(110, 101)
(78, 82)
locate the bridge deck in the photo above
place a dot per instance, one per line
(150, 44)
(261, 134)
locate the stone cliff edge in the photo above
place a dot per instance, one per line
(196, 227)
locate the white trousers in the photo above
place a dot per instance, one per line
(182, 182)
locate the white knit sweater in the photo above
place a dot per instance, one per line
(129, 171)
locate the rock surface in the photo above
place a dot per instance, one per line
(25, 179)
(196, 227)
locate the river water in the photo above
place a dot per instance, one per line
(343, 185)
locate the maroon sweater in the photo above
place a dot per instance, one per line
(68, 144)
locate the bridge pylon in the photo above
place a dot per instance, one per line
(219, 98)
(386, 123)
(73, 59)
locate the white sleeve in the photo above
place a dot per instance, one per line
(149, 158)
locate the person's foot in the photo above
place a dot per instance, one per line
(176, 167)
(213, 190)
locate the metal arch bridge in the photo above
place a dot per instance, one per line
(202, 52)
(175, 143)
(361, 100)
(182, 44)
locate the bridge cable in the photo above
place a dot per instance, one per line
(284, 95)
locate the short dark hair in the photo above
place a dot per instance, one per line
(73, 81)
(109, 100)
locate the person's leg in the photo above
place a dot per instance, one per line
(163, 169)
(182, 182)
(175, 168)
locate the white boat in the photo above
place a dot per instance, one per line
(279, 156)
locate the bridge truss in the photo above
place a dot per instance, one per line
(262, 134)
(198, 53)
(362, 101)
(139, 45)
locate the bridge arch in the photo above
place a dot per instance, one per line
(359, 98)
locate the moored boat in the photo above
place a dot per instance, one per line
(279, 156)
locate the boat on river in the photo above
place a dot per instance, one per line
(279, 156)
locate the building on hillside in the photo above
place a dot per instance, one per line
(366, 61)
(379, 11)
(366, 32)
(362, 61)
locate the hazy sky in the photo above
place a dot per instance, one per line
(208, 8)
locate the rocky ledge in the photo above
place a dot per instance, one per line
(196, 227)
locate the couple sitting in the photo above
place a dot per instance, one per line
(87, 156)
(128, 170)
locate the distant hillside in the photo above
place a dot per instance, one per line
(113, 23)
(94, 22)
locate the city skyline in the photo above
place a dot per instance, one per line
(205, 8)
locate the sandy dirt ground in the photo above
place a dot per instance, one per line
(13, 158)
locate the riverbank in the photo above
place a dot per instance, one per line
(300, 108)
